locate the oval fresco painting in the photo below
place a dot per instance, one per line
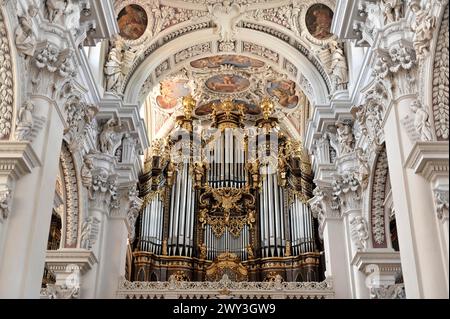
(206, 109)
(132, 21)
(238, 61)
(170, 92)
(284, 92)
(318, 21)
(227, 83)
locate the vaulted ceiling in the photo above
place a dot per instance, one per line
(212, 49)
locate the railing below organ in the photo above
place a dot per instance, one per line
(225, 289)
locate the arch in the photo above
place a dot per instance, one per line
(158, 60)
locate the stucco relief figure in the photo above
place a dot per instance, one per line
(55, 9)
(24, 122)
(111, 136)
(86, 173)
(344, 138)
(89, 232)
(113, 67)
(423, 27)
(5, 199)
(423, 126)
(363, 170)
(339, 69)
(25, 39)
(360, 234)
(392, 10)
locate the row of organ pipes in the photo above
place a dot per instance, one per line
(232, 159)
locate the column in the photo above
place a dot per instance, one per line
(22, 254)
(423, 266)
(331, 229)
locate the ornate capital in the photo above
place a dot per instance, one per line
(347, 188)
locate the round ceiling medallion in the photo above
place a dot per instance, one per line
(318, 21)
(132, 21)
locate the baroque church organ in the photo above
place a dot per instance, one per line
(226, 195)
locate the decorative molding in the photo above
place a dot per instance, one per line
(440, 96)
(272, 289)
(6, 83)
(377, 210)
(429, 159)
(72, 202)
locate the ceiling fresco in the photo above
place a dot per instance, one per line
(132, 21)
(318, 21)
(245, 80)
(170, 91)
(284, 92)
(216, 61)
(227, 83)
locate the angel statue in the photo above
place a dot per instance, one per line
(111, 136)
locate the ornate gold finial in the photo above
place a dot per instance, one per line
(188, 106)
(267, 107)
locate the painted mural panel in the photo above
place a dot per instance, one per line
(238, 61)
(132, 21)
(318, 21)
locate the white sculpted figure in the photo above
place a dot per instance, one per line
(24, 121)
(25, 39)
(360, 233)
(339, 69)
(113, 67)
(55, 9)
(5, 199)
(423, 27)
(86, 173)
(89, 232)
(344, 138)
(421, 122)
(111, 136)
(392, 10)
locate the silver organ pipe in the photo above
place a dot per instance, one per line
(301, 227)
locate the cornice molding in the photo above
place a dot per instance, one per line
(429, 159)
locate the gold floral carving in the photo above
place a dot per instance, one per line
(229, 264)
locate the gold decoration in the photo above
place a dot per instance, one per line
(273, 276)
(227, 263)
(288, 252)
(203, 251)
(164, 248)
(180, 275)
(227, 208)
(267, 108)
(250, 253)
(188, 106)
